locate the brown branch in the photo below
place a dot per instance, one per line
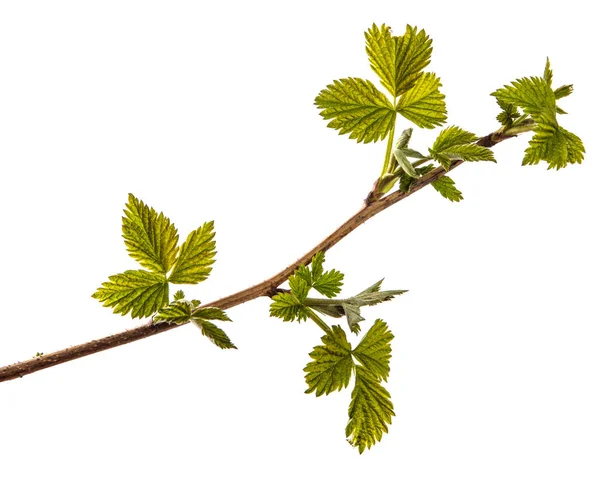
(266, 288)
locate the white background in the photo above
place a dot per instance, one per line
(205, 111)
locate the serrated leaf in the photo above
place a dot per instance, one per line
(178, 312)
(196, 256)
(424, 103)
(332, 366)
(179, 295)
(316, 265)
(555, 145)
(370, 411)
(214, 334)
(210, 313)
(509, 113)
(398, 60)
(413, 55)
(375, 350)
(140, 292)
(299, 287)
(548, 73)
(445, 186)
(329, 283)
(533, 95)
(357, 108)
(288, 307)
(381, 49)
(456, 143)
(150, 238)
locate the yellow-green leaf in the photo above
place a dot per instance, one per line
(196, 256)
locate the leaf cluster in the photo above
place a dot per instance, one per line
(152, 240)
(357, 107)
(534, 95)
(333, 363)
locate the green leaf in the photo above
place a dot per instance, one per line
(140, 292)
(332, 366)
(370, 410)
(404, 163)
(404, 139)
(375, 350)
(398, 61)
(548, 73)
(177, 312)
(555, 145)
(413, 55)
(445, 186)
(533, 95)
(357, 108)
(456, 143)
(509, 113)
(196, 256)
(150, 238)
(179, 295)
(381, 49)
(424, 103)
(210, 313)
(329, 283)
(214, 333)
(288, 307)
(350, 307)
(563, 91)
(299, 287)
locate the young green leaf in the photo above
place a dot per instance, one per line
(141, 292)
(328, 283)
(299, 287)
(357, 108)
(370, 411)
(288, 307)
(456, 143)
(424, 103)
(551, 143)
(548, 73)
(555, 145)
(350, 307)
(332, 366)
(196, 256)
(509, 113)
(445, 186)
(150, 238)
(375, 350)
(533, 95)
(179, 295)
(214, 333)
(398, 61)
(563, 91)
(404, 163)
(177, 312)
(382, 49)
(210, 313)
